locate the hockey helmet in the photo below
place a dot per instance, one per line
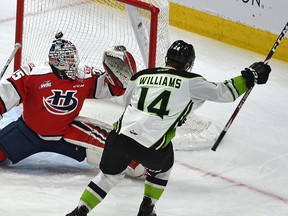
(181, 53)
(63, 55)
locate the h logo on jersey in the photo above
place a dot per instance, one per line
(61, 103)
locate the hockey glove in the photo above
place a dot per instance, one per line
(257, 73)
(119, 65)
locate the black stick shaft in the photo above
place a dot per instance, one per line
(16, 47)
(269, 56)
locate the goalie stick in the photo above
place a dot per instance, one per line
(16, 47)
(244, 98)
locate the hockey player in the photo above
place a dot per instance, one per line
(52, 94)
(157, 101)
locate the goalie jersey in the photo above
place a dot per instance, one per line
(158, 100)
(50, 104)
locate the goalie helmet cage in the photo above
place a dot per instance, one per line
(94, 25)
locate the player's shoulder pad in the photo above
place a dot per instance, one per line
(36, 68)
(165, 70)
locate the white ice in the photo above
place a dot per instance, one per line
(247, 175)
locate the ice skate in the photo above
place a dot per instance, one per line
(146, 208)
(79, 211)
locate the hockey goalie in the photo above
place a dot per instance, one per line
(52, 95)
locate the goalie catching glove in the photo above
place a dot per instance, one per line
(120, 66)
(257, 73)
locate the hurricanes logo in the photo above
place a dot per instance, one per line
(61, 103)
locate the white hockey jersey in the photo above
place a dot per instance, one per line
(159, 99)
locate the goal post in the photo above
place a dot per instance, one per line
(18, 32)
(150, 57)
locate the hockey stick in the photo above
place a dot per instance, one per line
(269, 56)
(16, 47)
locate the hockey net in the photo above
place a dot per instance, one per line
(94, 25)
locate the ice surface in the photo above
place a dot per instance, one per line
(247, 175)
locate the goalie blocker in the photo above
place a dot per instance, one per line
(91, 134)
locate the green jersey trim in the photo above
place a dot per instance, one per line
(240, 84)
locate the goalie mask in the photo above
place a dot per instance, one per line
(182, 53)
(63, 55)
(119, 65)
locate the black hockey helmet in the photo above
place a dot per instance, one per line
(181, 53)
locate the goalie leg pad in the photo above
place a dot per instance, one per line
(86, 134)
(135, 170)
(92, 134)
(93, 156)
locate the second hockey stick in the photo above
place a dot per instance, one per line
(16, 47)
(269, 56)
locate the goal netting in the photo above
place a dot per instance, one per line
(94, 25)
(196, 134)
